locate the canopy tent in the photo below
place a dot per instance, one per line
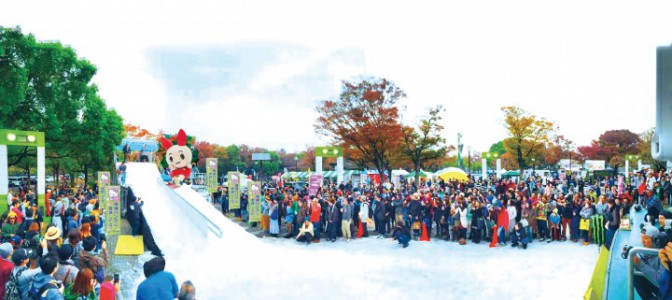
(334, 174)
(138, 144)
(298, 176)
(509, 173)
(452, 173)
(399, 172)
(423, 174)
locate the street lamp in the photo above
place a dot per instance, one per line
(296, 163)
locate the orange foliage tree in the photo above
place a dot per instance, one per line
(138, 132)
(528, 134)
(364, 118)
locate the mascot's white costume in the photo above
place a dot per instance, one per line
(178, 158)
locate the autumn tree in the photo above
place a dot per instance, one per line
(135, 131)
(645, 150)
(425, 142)
(527, 133)
(366, 118)
(612, 146)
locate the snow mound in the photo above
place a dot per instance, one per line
(237, 265)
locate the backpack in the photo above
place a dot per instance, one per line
(31, 243)
(100, 274)
(12, 287)
(50, 285)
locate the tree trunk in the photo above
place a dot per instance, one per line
(521, 162)
(86, 176)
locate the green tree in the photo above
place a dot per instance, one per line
(425, 142)
(234, 161)
(45, 87)
(498, 148)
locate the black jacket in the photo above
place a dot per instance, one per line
(380, 210)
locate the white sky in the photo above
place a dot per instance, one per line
(589, 66)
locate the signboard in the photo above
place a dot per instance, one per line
(328, 151)
(314, 184)
(254, 201)
(104, 180)
(211, 174)
(594, 165)
(261, 156)
(234, 190)
(113, 210)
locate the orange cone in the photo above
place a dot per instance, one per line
(493, 243)
(424, 237)
(360, 231)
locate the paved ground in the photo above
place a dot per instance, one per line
(128, 266)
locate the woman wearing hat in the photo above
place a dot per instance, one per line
(10, 227)
(54, 240)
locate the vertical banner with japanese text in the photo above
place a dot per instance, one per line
(211, 174)
(104, 180)
(315, 183)
(234, 190)
(254, 201)
(113, 210)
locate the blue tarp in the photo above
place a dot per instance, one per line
(137, 144)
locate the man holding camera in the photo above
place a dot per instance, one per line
(647, 286)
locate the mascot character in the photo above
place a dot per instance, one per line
(178, 158)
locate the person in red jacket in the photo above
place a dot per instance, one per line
(315, 212)
(19, 214)
(6, 266)
(502, 224)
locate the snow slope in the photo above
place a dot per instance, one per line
(237, 265)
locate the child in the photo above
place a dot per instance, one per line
(586, 213)
(554, 221)
(519, 234)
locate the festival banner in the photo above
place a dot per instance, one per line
(254, 201)
(104, 180)
(113, 210)
(234, 190)
(314, 184)
(211, 174)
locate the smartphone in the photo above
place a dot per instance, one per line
(116, 278)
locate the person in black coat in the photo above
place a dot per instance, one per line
(389, 215)
(414, 212)
(438, 216)
(402, 235)
(476, 222)
(380, 216)
(135, 209)
(519, 235)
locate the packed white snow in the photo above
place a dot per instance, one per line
(240, 266)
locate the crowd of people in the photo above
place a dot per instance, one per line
(497, 211)
(68, 258)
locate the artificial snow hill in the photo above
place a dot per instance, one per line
(225, 262)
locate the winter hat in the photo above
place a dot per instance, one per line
(5, 250)
(19, 256)
(11, 214)
(650, 231)
(53, 233)
(555, 210)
